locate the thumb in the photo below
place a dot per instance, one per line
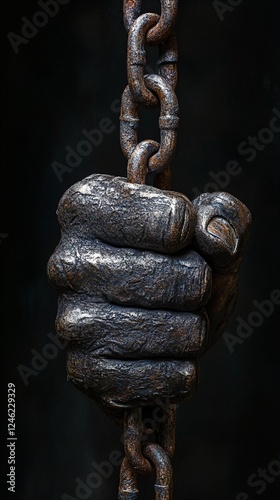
(222, 229)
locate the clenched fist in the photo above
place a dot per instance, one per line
(147, 281)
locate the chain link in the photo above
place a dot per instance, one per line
(168, 59)
(164, 476)
(161, 31)
(149, 156)
(136, 59)
(128, 482)
(168, 122)
(151, 91)
(146, 458)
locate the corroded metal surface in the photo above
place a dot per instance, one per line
(150, 91)
(132, 270)
(161, 31)
(128, 482)
(136, 60)
(162, 465)
(144, 457)
(147, 279)
(161, 154)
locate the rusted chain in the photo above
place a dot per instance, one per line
(136, 60)
(150, 457)
(150, 91)
(167, 431)
(131, 11)
(168, 122)
(149, 156)
(137, 167)
(163, 179)
(164, 476)
(133, 432)
(164, 27)
(168, 59)
(128, 482)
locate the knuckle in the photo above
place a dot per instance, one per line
(194, 284)
(66, 324)
(66, 208)
(180, 224)
(200, 338)
(52, 269)
(81, 201)
(61, 266)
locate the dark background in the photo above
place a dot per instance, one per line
(62, 81)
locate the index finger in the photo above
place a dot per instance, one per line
(125, 214)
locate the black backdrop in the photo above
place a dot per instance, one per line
(65, 79)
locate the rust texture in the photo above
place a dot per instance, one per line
(135, 269)
(147, 279)
(151, 91)
(164, 476)
(159, 156)
(164, 26)
(136, 60)
(128, 482)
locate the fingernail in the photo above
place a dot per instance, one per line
(222, 229)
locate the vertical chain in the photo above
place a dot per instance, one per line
(147, 458)
(150, 91)
(149, 156)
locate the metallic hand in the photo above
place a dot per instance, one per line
(147, 281)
